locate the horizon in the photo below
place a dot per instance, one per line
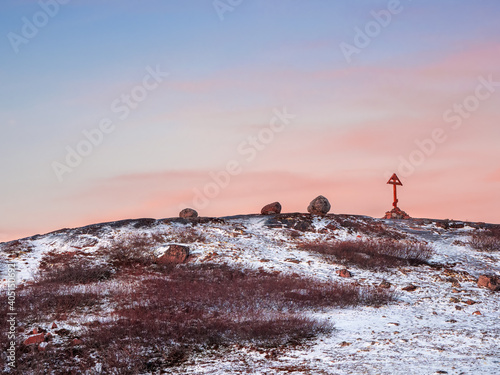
(129, 110)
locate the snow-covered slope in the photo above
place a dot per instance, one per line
(433, 329)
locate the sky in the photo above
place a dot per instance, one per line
(113, 110)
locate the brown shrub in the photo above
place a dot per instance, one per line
(131, 250)
(373, 254)
(170, 316)
(369, 227)
(79, 271)
(187, 235)
(486, 240)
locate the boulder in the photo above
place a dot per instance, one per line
(188, 213)
(174, 254)
(271, 209)
(319, 206)
(490, 282)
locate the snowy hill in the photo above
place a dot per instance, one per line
(437, 321)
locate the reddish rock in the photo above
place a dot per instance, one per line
(490, 282)
(53, 326)
(396, 213)
(271, 209)
(174, 254)
(477, 313)
(188, 213)
(344, 273)
(35, 339)
(470, 302)
(409, 288)
(319, 206)
(76, 342)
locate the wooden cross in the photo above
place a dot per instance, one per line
(394, 181)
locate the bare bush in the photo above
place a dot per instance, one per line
(131, 250)
(172, 315)
(373, 254)
(369, 227)
(78, 271)
(188, 235)
(486, 240)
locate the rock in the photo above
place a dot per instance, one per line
(319, 206)
(409, 288)
(344, 273)
(470, 302)
(53, 326)
(477, 312)
(385, 284)
(396, 213)
(490, 282)
(271, 209)
(35, 339)
(188, 213)
(76, 342)
(174, 254)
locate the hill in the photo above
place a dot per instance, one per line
(277, 294)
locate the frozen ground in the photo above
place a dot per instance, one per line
(435, 329)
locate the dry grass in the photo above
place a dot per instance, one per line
(373, 254)
(368, 226)
(174, 313)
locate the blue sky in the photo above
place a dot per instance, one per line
(354, 120)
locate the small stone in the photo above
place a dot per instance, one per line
(458, 307)
(188, 213)
(344, 273)
(76, 342)
(477, 312)
(385, 284)
(470, 302)
(454, 300)
(271, 209)
(409, 288)
(53, 326)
